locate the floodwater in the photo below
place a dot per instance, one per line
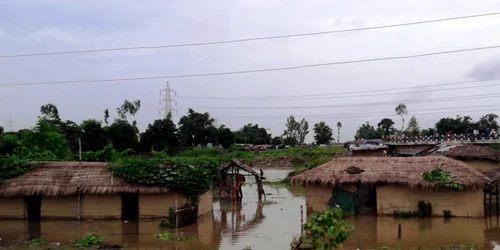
(271, 224)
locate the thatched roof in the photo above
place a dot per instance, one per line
(69, 178)
(494, 175)
(241, 165)
(464, 152)
(391, 170)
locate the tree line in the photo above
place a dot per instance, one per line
(456, 125)
(54, 137)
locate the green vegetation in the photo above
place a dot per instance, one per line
(447, 214)
(326, 230)
(167, 236)
(92, 240)
(12, 166)
(443, 178)
(36, 242)
(170, 221)
(190, 176)
(305, 152)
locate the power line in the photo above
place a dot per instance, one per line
(249, 39)
(454, 98)
(256, 70)
(411, 111)
(386, 114)
(335, 95)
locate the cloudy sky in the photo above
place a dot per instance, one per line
(57, 25)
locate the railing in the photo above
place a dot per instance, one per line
(435, 139)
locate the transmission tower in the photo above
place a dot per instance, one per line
(10, 124)
(168, 101)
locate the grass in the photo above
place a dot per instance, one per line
(306, 152)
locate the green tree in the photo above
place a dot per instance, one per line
(1, 130)
(252, 133)
(339, 126)
(106, 116)
(197, 128)
(296, 130)
(290, 141)
(428, 132)
(276, 141)
(401, 110)
(159, 136)
(122, 135)
(225, 137)
(488, 121)
(50, 112)
(367, 131)
(322, 133)
(127, 107)
(459, 125)
(413, 126)
(8, 143)
(386, 125)
(93, 135)
(44, 142)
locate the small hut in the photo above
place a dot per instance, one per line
(382, 185)
(70, 190)
(482, 157)
(232, 177)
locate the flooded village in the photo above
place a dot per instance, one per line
(260, 207)
(249, 125)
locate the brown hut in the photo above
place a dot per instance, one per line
(382, 185)
(481, 157)
(70, 190)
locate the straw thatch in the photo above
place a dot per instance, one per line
(390, 170)
(240, 165)
(69, 178)
(464, 152)
(494, 175)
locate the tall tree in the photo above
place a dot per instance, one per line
(1, 130)
(197, 128)
(122, 135)
(296, 130)
(252, 133)
(93, 136)
(106, 116)
(413, 126)
(367, 131)
(322, 133)
(128, 108)
(225, 137)
(459, 125)
(159, 136)
(276, 140)
(339, 126)
(50, 112)
(386, 125)
(401, 110)
(488, 121)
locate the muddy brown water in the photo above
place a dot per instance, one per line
(271, 224)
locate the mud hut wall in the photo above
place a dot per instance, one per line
(368, 153)
(317, 197)
(468, 203)
(205, 204)
(483, 165)
(101, 206)
(59, 207)
(12, 208)
(158, 205)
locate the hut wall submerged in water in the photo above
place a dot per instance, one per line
(382, 185)
(232, 177)
(87, 191)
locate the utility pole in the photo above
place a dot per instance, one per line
(167, 101)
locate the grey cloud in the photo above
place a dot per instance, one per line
(486, 69)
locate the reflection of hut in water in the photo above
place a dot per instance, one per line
(238, 221)
(382, 185)
(232, 178)
(69, 190)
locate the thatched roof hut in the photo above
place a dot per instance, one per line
(464, 152)
(69, 178)
(390, 170)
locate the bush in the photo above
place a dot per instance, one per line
(447, 214)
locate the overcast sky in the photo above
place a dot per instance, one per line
(57, 25)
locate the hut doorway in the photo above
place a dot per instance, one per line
(130, 206)
(33, 207)
(491, 201)
(367, 200)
